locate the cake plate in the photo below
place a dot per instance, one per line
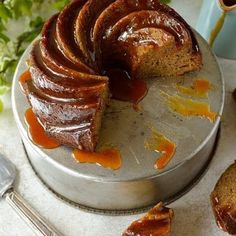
(136, 185)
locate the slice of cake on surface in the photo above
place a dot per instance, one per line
(223, 200)
(157, 222)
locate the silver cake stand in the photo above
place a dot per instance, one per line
(136, 185)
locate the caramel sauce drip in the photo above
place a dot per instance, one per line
(218, 215)
(200, 88)
(157, 222)
(23, 78)
(159, 143)
(216, 30)
(189, 107)
(108, 158)
(36, 132)
(124, 88)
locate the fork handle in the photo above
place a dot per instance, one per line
(34, 220)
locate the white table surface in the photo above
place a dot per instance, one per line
(193, 215)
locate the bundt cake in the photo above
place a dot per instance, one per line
(223, 200)
(157, 222)
(70, 64)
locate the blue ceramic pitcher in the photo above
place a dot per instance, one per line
(217, 24)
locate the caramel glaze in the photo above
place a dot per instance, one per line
(217, 28)
(189, 107)
(155, 223)
(123, 49)
(61, 86)
(23, 78)
(106, 157)
(200, 88)
(225, 218)
(53, 55)
(159, 143)
(123, 88)
(37, 133)
(86, 21)
(144, 19)
(64, 26)
(122, 8)
(148, 228)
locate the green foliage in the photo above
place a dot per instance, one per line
(35, 27)
(59, 4)
(165, 1)
(19, 8)
(11, 48)
(1, 105)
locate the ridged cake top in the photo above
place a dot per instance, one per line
(79, 47)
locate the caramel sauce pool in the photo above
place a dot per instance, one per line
(159, 143)
(108, 158)
(189, 107)
(200, 88)
(37, 133)
(124, 88)
(23, 78)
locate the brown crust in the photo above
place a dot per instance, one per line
(223, 200)
(65, 87)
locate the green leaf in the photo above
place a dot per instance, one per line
(165, 1)
(59, 4)
(11, 49)
(5, 13)
(20, 7)
(5, 64)
(4, 38)
(1, 105)
(2, 26)
(27, 37)
(4, 89)
(36, 23)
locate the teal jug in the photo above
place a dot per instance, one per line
(217, 24)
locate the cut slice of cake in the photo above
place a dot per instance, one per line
(223, 200)
(157, 222)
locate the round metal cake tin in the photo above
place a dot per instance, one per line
(136, 184)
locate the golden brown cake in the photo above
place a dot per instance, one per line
(71, 64)
(223, 200)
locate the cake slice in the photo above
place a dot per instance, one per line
(73, 122)
(157, 222)
(223, 200)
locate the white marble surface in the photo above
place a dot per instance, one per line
(193, 215)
